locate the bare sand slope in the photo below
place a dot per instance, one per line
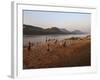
(76, 54)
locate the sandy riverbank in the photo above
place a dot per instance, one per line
(65, 53)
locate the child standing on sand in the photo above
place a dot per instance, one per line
(29, 46)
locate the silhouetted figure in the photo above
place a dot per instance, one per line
(64, 44)
(32, 44)
(55, 42)
(29, 46)
(46, 39)
(48, 47)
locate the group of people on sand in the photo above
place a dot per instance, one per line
(49, 42)
(57, 43)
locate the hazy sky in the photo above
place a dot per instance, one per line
(68, 20)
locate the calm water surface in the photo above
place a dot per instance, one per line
(42, 38)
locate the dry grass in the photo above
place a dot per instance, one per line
(74, 53)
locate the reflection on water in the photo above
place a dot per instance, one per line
(42, 38)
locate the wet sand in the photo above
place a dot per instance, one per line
(54, 54)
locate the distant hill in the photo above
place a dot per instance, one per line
(54, 30)
(77, 32)
(64, 30)
(35, 30)
(32, 30)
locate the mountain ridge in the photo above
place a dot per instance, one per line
(35, 30)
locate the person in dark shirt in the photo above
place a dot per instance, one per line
(29, 46)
